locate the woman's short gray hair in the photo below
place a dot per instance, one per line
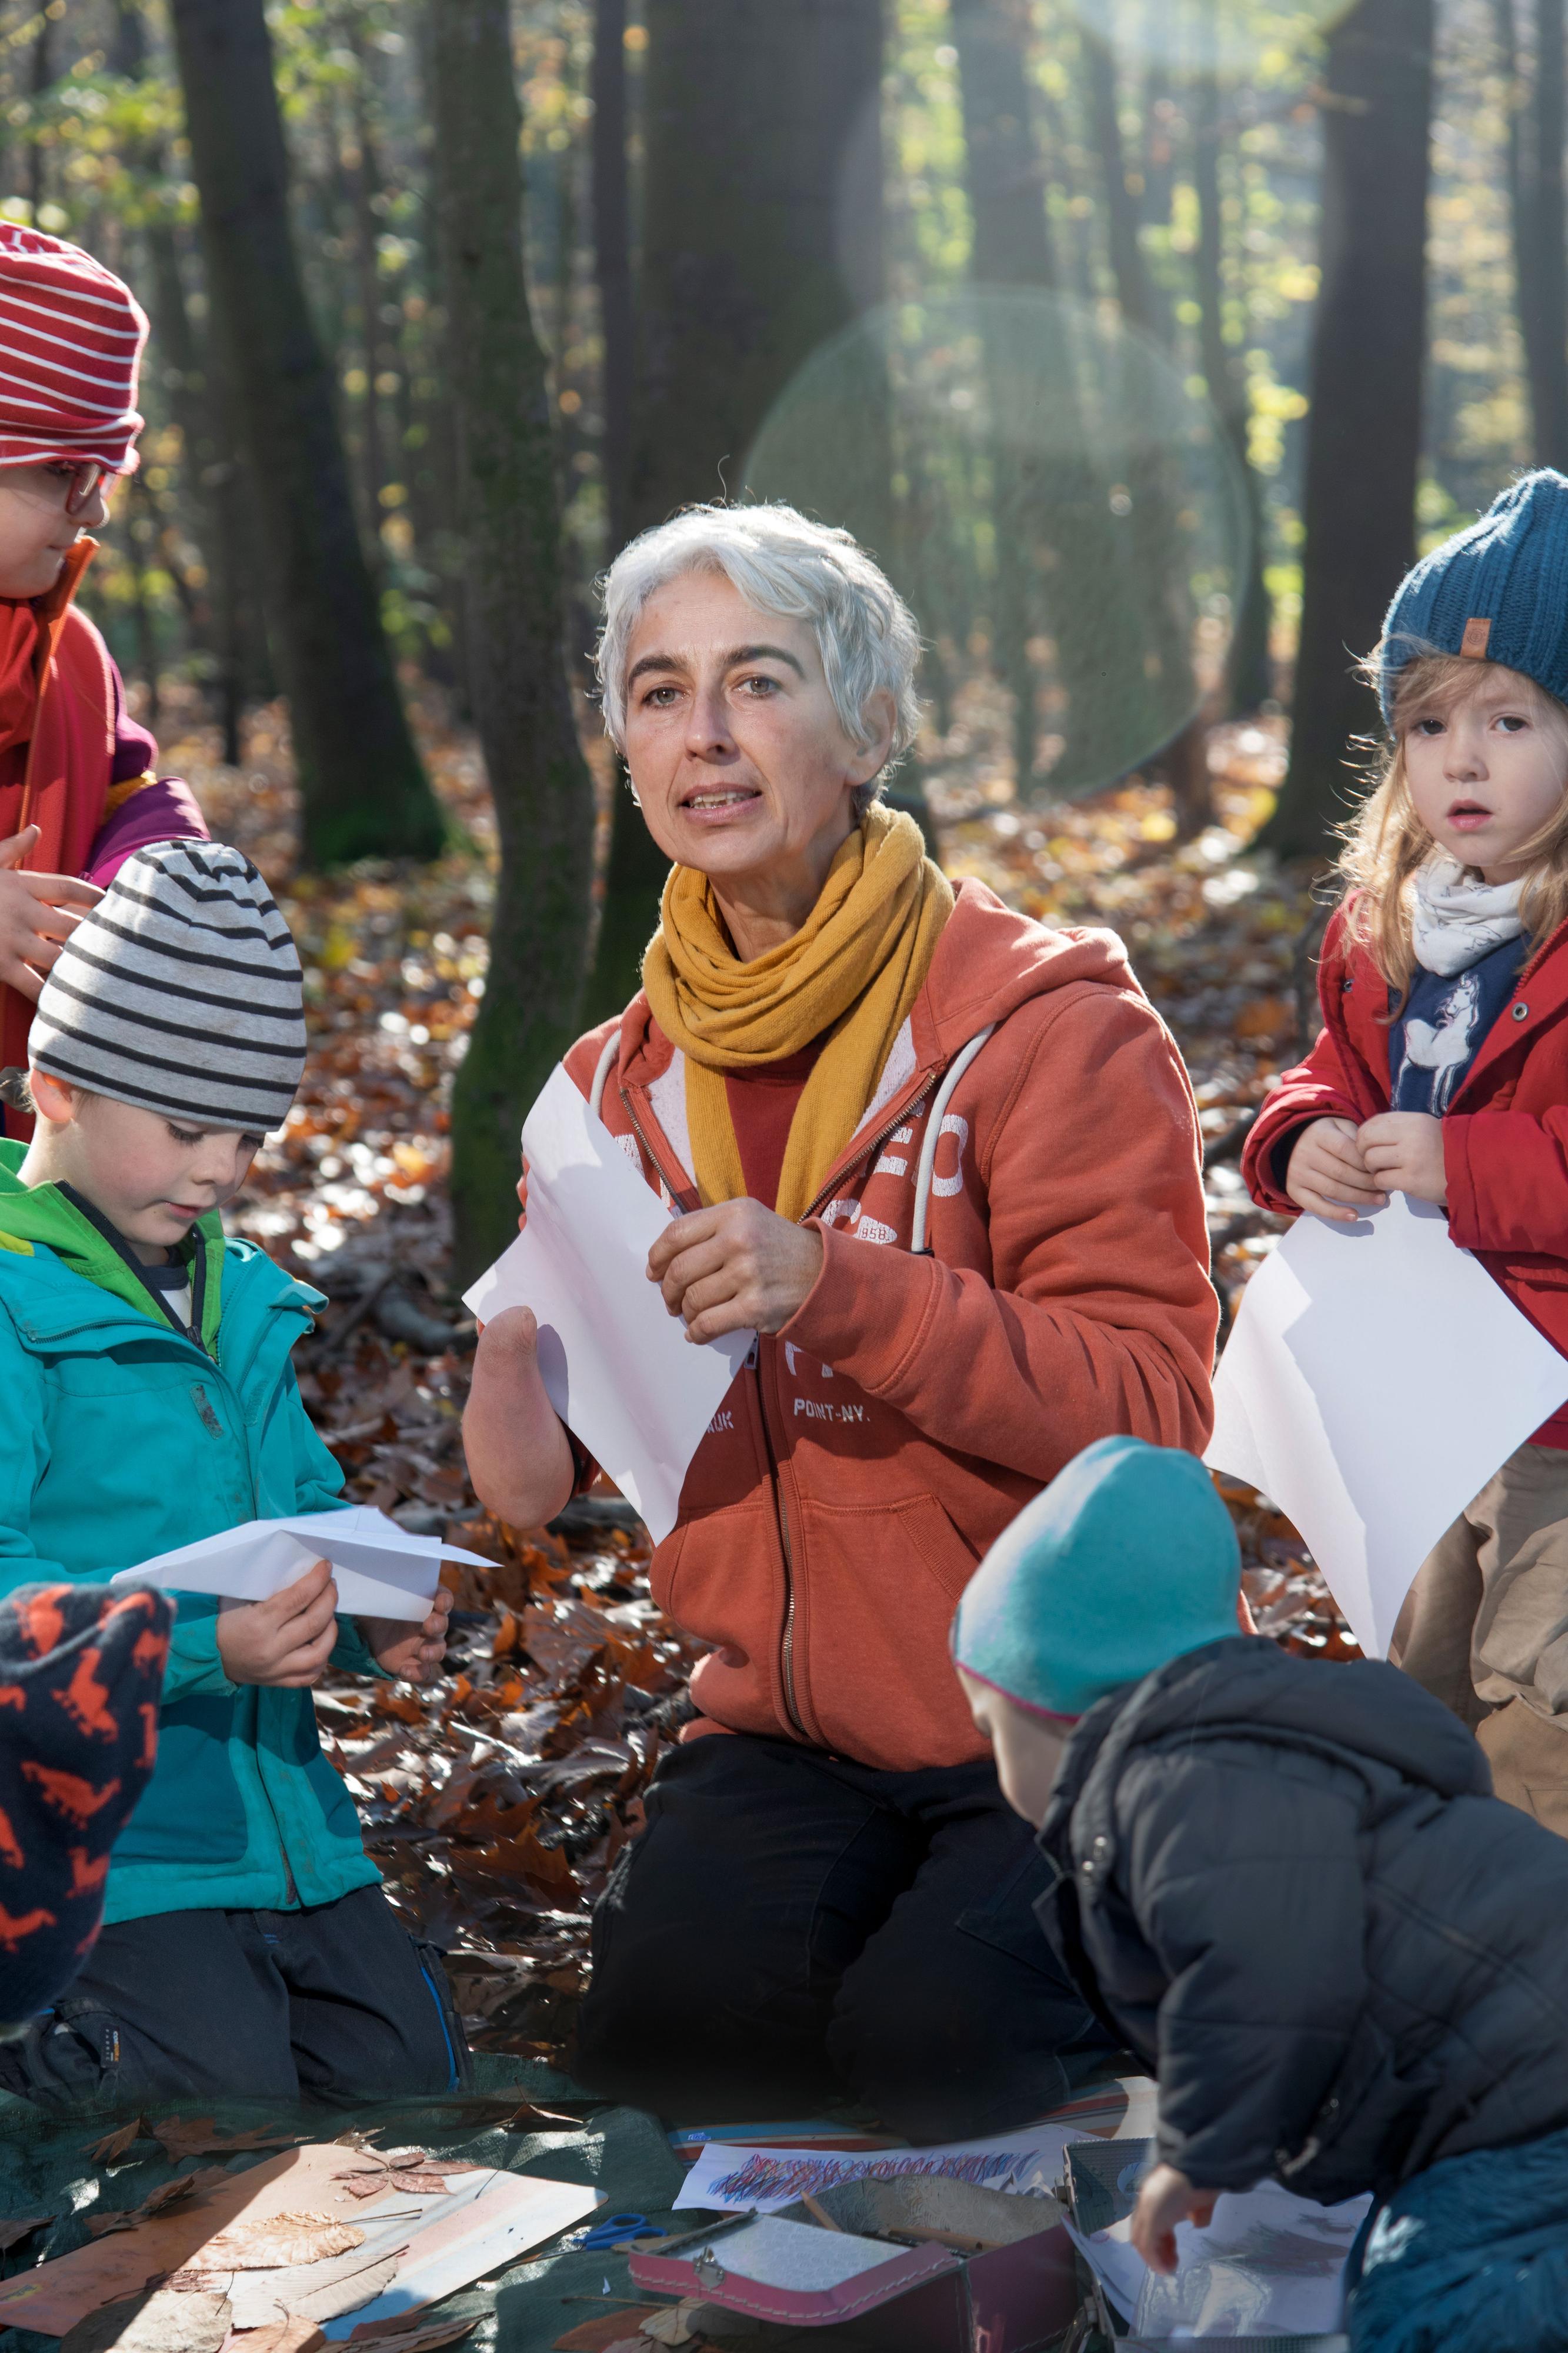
(782, 562)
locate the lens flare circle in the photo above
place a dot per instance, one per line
(1049, 493)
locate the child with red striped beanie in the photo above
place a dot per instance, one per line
(79, 790)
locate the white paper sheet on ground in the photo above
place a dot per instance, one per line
(1375, 1380)
(381, 1570)
(617, 1365)
(467, 2237)
(1270, 2264)
(728, 2179)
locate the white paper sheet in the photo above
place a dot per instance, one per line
(381, 1570)
(1375, 1380)
(617, 1365)
(727, 2180)
(1270, 2264)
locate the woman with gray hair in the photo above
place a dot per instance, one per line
(945, 1162)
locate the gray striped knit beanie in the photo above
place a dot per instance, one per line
(180, 993)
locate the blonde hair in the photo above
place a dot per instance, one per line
(1385, 843)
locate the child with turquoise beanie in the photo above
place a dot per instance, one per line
(1441, 1070)
(1287, 1887)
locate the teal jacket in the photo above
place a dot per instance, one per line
(118, 1439)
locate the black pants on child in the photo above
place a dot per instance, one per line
(791, 1927)
(337, 2003)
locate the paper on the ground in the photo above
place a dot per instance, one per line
(1270, 2264)
(727, 2180)
(1375, 1380)
(617, 1365)
(463, 2238)
(381, 1570)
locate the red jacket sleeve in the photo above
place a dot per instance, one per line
(1508, 1180)
(1333, 1082)
(1101, 1319)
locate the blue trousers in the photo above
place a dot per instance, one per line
(1470, 2256)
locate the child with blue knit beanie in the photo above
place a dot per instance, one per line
(1285, 1886)
(1441, 1071)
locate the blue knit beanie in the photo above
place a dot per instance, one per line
(1497, 591)
(1128, 1558)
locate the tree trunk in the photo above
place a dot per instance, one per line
(363, 789)
(1364, 435)
(1010, 245)
(1248, 668)
(42, 74)
(762, 237)
(511, 524)
(1122, 213)
(613, 258)
(1536, 130)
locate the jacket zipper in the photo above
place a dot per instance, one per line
(781, 1509)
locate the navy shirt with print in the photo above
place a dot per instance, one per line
(1439, 1033)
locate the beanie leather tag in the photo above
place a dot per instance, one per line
(1477, 637)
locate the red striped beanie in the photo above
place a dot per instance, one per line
(70, 344)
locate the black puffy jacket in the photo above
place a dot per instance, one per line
(1288, 1887)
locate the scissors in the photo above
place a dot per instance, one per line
(616, 2229)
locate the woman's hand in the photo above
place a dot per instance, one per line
(412, 1652)
(518, 1459)
(35, 917)
(1404, 1150)
(1328, 1175)
(285, 1641)
(734, 1268)
(1166, 2198)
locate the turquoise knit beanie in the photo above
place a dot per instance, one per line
(1128, 1558)
(1497, 591)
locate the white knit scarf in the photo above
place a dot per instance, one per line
(1455, 921)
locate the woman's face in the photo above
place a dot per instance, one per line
(736, 751)
(36, 534)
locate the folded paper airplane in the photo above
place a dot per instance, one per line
(381, 1570)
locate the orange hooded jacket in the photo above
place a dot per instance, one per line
(870, 1453)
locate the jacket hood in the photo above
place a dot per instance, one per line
(30, 1214)
(1247, 1687)
(989, 961)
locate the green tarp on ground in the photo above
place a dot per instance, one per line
(44, 2166)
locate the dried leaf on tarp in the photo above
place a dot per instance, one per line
(15, 2228)
(288, 2335)
(111, 2148)
(370, 2336)
(166, 2193)
(281, 2239)
(199, 2136)
(418, 2184)
(345, 2281)
(604, 2333)
(158, 2323)
(676, 2324)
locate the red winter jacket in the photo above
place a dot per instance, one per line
(1505, 1140)
(862, 1463)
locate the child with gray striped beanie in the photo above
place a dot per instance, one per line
(147, 1402)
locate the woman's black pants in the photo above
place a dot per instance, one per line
(793, 1927)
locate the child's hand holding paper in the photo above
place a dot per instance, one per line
(285, 1641)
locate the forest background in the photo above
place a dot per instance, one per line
(1144, 341)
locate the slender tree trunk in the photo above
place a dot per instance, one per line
(363, 791)
(762, 237)
(511, 524)
(1536, 131)
(1248, 679)
(1122, 212)
(1364, 437)
(613, 257)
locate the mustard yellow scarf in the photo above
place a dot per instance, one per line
(853, 969)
